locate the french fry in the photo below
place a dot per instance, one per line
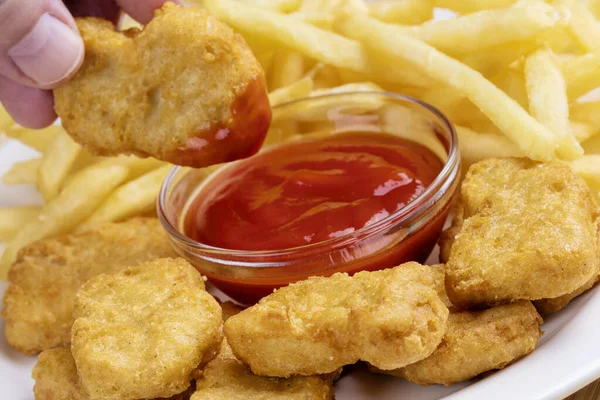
(319, 19)
(445, 99)
(475, 147)
(36, 139)
(266, 60)
(588, 167)
(512, 82)
(56, 164)
(132, 198)
(548, 101)
(325, 76)
(469, 6)
(406, 12)
(522, 21)
(295, 91)
(592, 145)
(582, 24)
(284, 6)
(74, 203)
(588, 112)
(490, 61)
(594, 7)
(13, 218)
(330, 48)
(288, 67)
(583, 131)
(531, 137)
(582, 74)
(349, 87)
(135, 165)
(23, 172)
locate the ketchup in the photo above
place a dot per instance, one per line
(310, 190)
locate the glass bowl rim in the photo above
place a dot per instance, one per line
(412, 209)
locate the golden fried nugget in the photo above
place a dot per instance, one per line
(529, 232)
(549, 306)
(226, 377)
(56, 378)
(389, 318)
(142, 332)
(543, 306)
(185, 89)
(449, 234)
(477, 342)
(42, 283)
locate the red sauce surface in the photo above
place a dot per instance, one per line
(310, 191)
(240, 136)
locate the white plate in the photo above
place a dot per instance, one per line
(567, 359)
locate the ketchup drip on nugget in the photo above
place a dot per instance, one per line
(309, 191)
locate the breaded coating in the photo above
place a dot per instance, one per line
(185, 89)
(449, 234)
(42, 283)
(477, 342)
(549, 306)
(142, 332)
(390, 318)
(56, 378)
(226, 377)
(529, 232)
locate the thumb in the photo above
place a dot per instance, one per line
(40, 45)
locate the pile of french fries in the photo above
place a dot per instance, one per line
(513, 76)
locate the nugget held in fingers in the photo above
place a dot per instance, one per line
(42, 283)
(56, 378)
(389, 318)
(477, 342)
(529, 232)
(185, 89)
(141, 333)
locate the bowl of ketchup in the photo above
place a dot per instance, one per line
(343, 183)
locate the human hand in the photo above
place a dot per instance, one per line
(40, 48)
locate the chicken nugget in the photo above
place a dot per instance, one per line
(56, 378)
(390, 318)
(141, 333)
(42, 283)
(549, 306)
(185, 89)
(529, 232)
(478, 342)
(449, 234)
(226, 377)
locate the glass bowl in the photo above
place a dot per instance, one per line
(406, 235)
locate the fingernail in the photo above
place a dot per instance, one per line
(49, 53)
